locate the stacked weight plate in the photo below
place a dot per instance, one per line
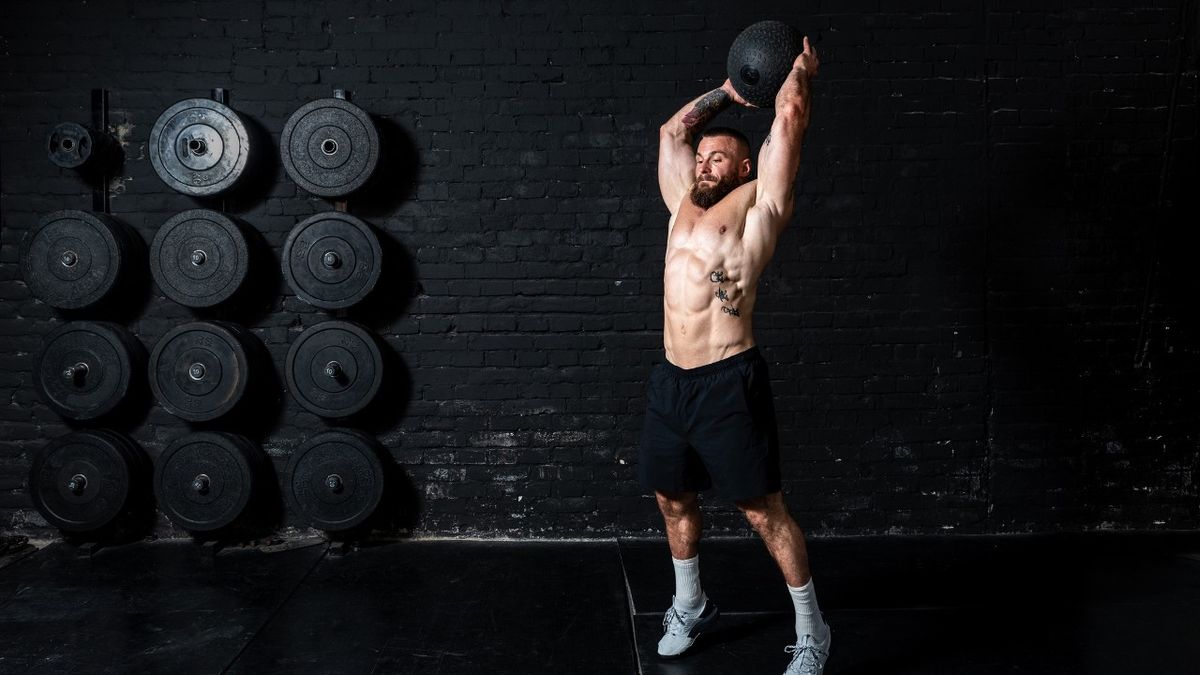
(330, 147)
(335, 368)
(336, 480)
(332, 260)
(86, 369)
(75, 259)
(200, 258)
(90, 482)
(206, 481)
(199, 147)
(200, 371)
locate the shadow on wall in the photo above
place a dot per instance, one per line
(395, 178)
(261, 174)
(395, 289)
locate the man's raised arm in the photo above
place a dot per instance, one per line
(676, 158)
(779, 159)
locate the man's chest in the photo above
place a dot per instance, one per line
(708, 237)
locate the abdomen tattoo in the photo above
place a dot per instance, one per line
(718, 277)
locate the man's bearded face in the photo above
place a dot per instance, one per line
(709, 189)
(719, 161)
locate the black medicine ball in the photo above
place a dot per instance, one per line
(761, 58)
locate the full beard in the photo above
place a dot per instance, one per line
(708, 194)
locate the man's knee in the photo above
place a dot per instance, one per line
(764, 513)
(676, 504)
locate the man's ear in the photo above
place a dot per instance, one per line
(744, 169)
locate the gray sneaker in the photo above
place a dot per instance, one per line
(809, 655)
(680, 629)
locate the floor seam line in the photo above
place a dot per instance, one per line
(275, 612)
(637, 653)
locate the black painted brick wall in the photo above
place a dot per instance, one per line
(982, 318)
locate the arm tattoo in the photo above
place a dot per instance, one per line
(768, 141)
(706, 108)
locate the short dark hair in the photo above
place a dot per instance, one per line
(730, 132)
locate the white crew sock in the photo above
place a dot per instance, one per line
(688, 596)
(808, 615)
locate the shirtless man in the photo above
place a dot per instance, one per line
(709, 412)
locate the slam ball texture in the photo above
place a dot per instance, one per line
(761, 58)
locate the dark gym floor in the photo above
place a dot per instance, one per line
(1100, 603)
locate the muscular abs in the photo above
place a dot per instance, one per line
(709, 282)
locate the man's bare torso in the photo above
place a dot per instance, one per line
(710, 280)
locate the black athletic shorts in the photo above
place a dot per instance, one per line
(712, 426)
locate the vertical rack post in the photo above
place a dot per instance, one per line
(100, 193)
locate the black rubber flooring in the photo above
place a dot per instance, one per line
(1101, 604)
(955, 605)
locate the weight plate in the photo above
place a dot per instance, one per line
(82, 482)
(199, 147)
(86, 368)
(199, 371)
(329, 147)
(73, 259)
(70, 145)
(335, 368)
(199, 258)
(140, 464)
(204, 481)
(332, 260)
(335, 481)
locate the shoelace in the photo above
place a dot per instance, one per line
(673, 618)
(814, 653)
